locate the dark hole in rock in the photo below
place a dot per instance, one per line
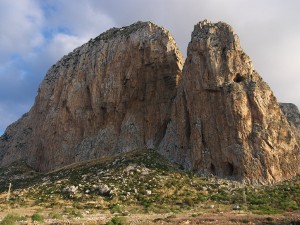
(213, 169)
(224, 50)
(224, 53)
(238, 78)
(68, 110)
(64, 103)
(229, 169)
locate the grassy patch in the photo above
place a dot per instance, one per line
(115, 208)
(73, 212)
(142, 180)
(118, 220)
(11, 219)
(55, 215)
(37, 217)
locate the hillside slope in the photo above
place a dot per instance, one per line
(144, 188)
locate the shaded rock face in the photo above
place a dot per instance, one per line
(126, 89)
(225, 119)
(113, 94)
(292, 114)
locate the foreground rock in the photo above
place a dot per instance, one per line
(225, 119)
(126, 89)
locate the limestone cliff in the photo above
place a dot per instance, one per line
(225, 119)
(126, 89)
(293, 116)
(113, 94)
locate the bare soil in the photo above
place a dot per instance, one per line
(187, 218)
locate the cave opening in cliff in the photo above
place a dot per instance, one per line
(229, 169)
(238, 78)
(213, 169)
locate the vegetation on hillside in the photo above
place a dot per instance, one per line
(137, 182)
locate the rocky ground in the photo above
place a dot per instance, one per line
(140, 187)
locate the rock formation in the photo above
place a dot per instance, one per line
(292, 114)
(113, 94)
(225, 119)
(126, 89)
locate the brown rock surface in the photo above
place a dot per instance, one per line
(112, 94)
(124, 90)
(291, 112)
(225, 119)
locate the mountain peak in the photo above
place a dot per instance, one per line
(128, 89)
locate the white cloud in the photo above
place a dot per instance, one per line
(41, 32)
(80, 18)
(10, 113)
(27, 51)
(20, 25)
(62, 44)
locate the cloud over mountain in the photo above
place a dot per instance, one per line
(35, 34)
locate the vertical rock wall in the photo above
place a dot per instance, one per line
(226, 120)
(126, 89)
(113, 94)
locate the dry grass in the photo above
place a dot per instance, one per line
(141, 182)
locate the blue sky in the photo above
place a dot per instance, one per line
(36, 33)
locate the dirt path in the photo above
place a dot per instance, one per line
(187, 218)
(292, 218)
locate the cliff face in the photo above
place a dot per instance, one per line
(293, 116)
(225, 119)
(126, 89)
(110, 95)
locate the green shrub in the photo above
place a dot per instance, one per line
(189, 201)
(115, 208)
(264, 209)
(37, 217)
(73, 212)
(54, 215)
(11, 219)
(118, 220)
(221, 196)
(201, 198)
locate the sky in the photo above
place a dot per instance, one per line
(34, 34)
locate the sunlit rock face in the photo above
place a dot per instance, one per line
(112, 94)
(128, 89)
(225, 119)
